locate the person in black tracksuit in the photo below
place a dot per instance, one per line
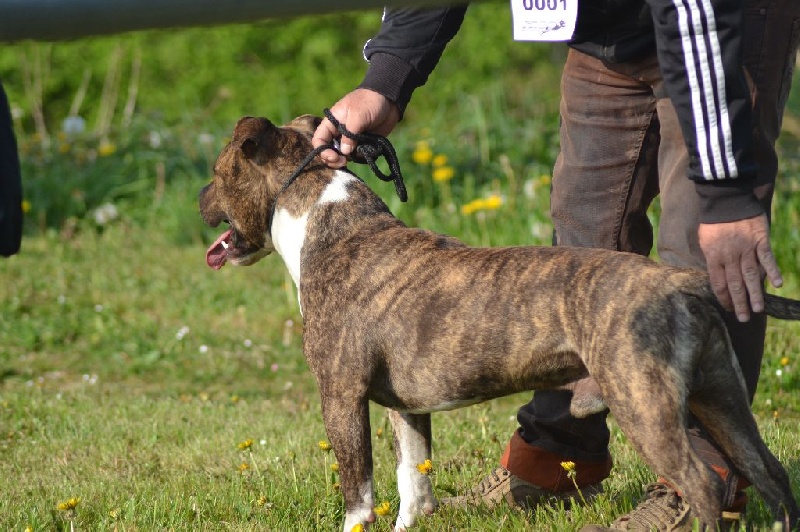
(10, 184)
(651, 93)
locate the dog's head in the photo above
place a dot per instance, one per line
(248, 174)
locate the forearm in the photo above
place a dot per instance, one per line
(407, 48)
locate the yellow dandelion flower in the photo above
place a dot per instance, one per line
(425, 467)
(775, 414)
(336, 486)
(262, 500)
(568, 466)
(493, 202)
(468, 208)
(383, 509)
(335, 467)
(439, 160)
(443, 173)
(69, 504)
(785, 361)
(106, 148)
(379, 433)
(26, 206)
(113, 514)
(358, 528)
(29, 528)
(324, 446)
(246, 444)
(423, 153)
(243, 467)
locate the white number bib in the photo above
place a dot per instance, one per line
(544, 20)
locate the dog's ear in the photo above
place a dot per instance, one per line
(250, 133)
(305, 124)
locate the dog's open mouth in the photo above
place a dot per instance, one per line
(231, 247)
(217, 253)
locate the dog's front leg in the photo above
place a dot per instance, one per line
(412, 443)
(347, 424)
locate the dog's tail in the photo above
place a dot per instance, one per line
(781, 307)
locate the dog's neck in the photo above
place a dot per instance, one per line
(289, 224)
(291, 179)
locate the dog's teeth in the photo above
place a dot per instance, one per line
(224, 244)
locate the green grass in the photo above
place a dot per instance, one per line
(130, 371)
(107, 396)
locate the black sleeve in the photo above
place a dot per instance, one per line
(407, 48)
(10, 184)
(700, 52)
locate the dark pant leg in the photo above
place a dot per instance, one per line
(771, 33)
(604, 179)
(10, 184)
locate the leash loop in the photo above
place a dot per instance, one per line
(370, 147)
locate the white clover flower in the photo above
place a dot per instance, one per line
(203, 349)
(73, 125)
(98, 308)
(529, 188)
(105, 213)
(183, 331)
(17, 112)
(541, 230)
(248, 342)
(154, 139)
(206, 139)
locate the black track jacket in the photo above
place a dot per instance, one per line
(699, 49)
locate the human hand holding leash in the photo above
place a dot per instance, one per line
(737, 256)
(361, 110)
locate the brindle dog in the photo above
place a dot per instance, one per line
(419, 322)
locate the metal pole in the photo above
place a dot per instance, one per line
(57, 20)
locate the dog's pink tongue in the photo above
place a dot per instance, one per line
(217, 254)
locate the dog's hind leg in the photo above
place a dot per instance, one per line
(412, 443)
(346, 417)
(652, 414)
(721, 405)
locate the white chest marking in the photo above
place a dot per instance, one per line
(337, 188)
(289, 232)
(288, 235)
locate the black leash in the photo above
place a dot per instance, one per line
(370, 147)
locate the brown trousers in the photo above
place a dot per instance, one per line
(621, 146)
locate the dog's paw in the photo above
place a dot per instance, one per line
(358, 520)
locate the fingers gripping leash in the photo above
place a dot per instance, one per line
(370, 147)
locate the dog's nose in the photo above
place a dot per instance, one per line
(211, 214)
